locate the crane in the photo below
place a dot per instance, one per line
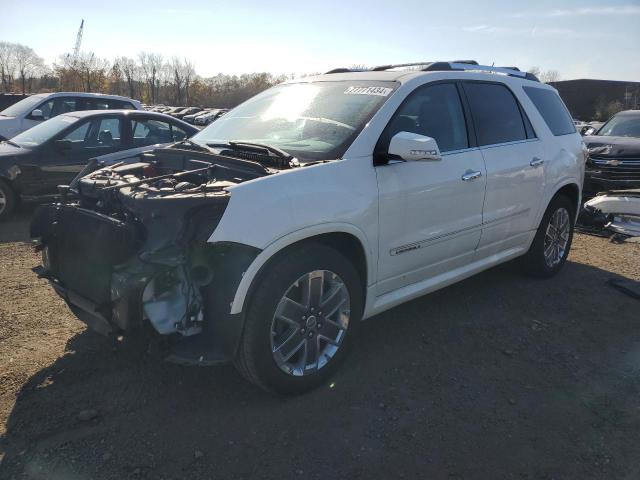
(76, 49)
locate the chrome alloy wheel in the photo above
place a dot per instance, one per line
(3, 201)
(556, 237)
(310, 322)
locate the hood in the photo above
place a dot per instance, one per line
(618, 147)
(7, 150)
(9, 127)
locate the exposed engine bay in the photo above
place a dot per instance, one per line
(128, 244)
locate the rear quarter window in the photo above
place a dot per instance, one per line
(552, 110)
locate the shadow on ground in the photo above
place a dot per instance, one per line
(499, 376)
(16, 228)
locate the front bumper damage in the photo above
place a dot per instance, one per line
(138, 257)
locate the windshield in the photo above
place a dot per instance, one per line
(621, 126)
(44, 131)
(22, 107)
(311, 121)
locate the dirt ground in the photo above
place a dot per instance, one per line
(500, 376)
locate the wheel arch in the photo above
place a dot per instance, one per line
(345, 238)
(570, 190)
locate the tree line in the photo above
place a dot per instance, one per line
(148, 77)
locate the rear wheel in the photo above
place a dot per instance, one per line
(551, 245)
(301, 320)
(7, 200)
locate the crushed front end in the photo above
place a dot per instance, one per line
(131, 250)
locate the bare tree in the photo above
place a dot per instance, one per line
(151, 64)
(93, 71)
(7, 65)
(189, 74)
(547, 76)
(28, 63)
(178, 79)
(130, 72)
(550, 76)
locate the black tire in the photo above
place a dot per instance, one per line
(534, 262)
(10, 200)
(254, 358)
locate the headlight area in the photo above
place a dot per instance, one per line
(121, 274)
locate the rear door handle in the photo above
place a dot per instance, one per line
(468, 176)
(536, 162)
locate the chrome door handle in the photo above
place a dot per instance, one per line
(471, 176)
(536, 162)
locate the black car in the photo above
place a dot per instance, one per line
(35, 162)
(614, 154)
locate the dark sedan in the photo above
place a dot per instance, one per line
(614, 154)
(35, 162)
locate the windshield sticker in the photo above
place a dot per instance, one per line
(379, 91)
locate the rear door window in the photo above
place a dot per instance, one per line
(496, 113)
(552, 110)
(152, 131)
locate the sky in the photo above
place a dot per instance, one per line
(578, 38)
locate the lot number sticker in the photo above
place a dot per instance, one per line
(379, 91)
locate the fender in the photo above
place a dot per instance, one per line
(552, 190)
(249, 275)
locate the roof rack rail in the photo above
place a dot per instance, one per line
(345, 70)
(381, 68)
(465, 65)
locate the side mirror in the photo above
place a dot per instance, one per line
(63, 145)
(414, 147)
(588, 130)
(37, 114)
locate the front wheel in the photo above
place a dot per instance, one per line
(302, 319)
(7, 200)
(551, 245)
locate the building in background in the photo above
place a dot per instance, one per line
(598, 99)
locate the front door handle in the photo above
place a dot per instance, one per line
(468, 176)
(536, 162)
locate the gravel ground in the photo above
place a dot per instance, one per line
(499, 376)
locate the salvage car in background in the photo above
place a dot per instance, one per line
(35, 162)
(35, 109)
(210, 117)
(614, 154)
(267, 237)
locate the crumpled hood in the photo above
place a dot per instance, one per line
(620, 147)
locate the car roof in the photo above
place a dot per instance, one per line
(406, 75)
(84, 95)
(630, 113)
(125, 113)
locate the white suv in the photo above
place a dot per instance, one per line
(34, 109)
(270, 235)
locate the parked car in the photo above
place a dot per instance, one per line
(35, 109)
(192, 116)
(35, 162)
(210, 117)
(614, 154)
(185, 111)
(267, 237)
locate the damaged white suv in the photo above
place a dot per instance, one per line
(267, 238)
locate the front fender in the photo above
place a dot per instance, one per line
(250, 274)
